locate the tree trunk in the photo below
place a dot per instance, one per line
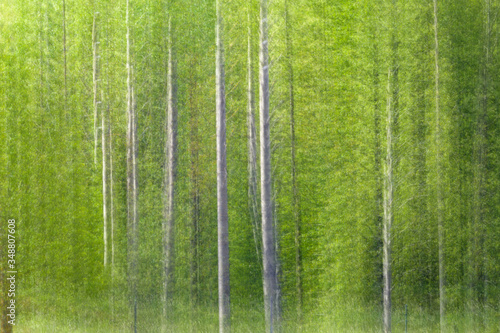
(378, 174)
(104, 189)
(97, 102)
(479, 256)
(388, 211)
(111, 194)
(222, 214)
(95, 79)
(65, 58)
(253, 203)
(132, 185)
(170, 174)
(439, 197)
(295, 194)
(390, 167)
(195, 185)
(269, 254)
(111, 213)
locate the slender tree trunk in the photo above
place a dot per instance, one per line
(388, 211)
(276, 311)
(104, 189)
(195, 185)
(483, 130)
(222, 215)
(253, 203)
(479, 229)
(111, 213)
(132, 185)
(390, 167)
(111, 195)
(135, 182)
(111, 179)
(110, 147)
(41, 38)
(439, 196)
(378, 174)
(269, 254)
(295, 194)
(129, 137)
(97, 102)
(170, 174)
(95, 79)
(65, 58)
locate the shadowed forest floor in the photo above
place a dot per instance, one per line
(91, 316)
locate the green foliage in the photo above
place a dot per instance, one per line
(340, 53)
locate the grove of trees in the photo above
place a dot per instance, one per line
(251, 166)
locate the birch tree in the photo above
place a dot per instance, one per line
(252, 148)
(170, 174)
(65, 61)
(389, 167)
(95, 80)
(295, 194)
(104, 188)
(388, 214)
(268, 238)
(222, 214)
(195, 180)
(132, 184)
(480, 220)
(439, 196)
(96, 102)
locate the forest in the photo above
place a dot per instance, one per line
(250, 166)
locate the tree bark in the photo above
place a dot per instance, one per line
(65, 58)
(95, 79)
(194, 147)
(104, 190)
(253, 203)
(479, 255)
(111, 180)
(388, 211)
(170, 175)
(222, 214)
(132, 184)
(439, 196)
(390, 167)
(269, 254)
(111, 213)
(377, 171)
(295, 194)
(111, 196)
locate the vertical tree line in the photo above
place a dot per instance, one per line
(222, 214)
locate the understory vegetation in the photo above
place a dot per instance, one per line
(360, 140)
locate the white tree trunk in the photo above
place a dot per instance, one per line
(388, 211)
(132, 185)
(95, 78)
(269, 254)
(104, 190)
(170, 172)
(111, 194)
(65, 58)
(111, 212)
(295, 194)
(222, 215)
(439, 196)
(252, 150)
